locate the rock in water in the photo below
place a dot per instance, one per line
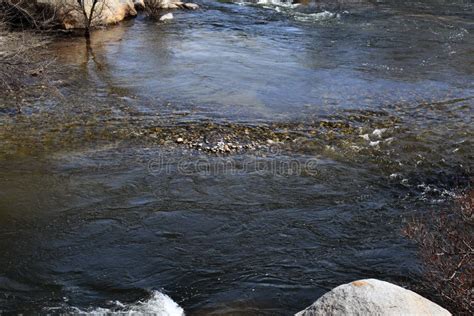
(190, 6)
(70, 15)
(372, 297)
(173, 4)
(167, 17)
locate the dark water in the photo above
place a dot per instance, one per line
(94, 211)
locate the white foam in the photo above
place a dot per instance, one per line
(320, 16)
(429, 192)
(395, 176)
(281, 3)
(158, 304)
(287, 6)
(378, 132)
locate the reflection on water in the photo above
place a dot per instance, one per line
(378, 96)
(251, 61)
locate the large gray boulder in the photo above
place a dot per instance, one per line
(372, 297)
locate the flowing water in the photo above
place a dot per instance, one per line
(369, 105)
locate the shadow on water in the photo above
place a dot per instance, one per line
(348, 123)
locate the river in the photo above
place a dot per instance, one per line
(359, 115)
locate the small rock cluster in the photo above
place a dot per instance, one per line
(222, 147)
(230, 138)
(220, 139)
(180, 5)
(176, 5)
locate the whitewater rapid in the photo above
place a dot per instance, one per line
(158, 304)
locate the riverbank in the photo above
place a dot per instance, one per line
(21, 58)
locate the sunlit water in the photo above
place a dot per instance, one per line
(90, 218)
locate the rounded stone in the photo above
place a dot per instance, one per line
(372, 297)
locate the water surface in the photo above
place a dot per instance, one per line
(378, 94)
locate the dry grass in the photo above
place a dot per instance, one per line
(154, 8)
(446, 246)
(29, 14)
(20, 58)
